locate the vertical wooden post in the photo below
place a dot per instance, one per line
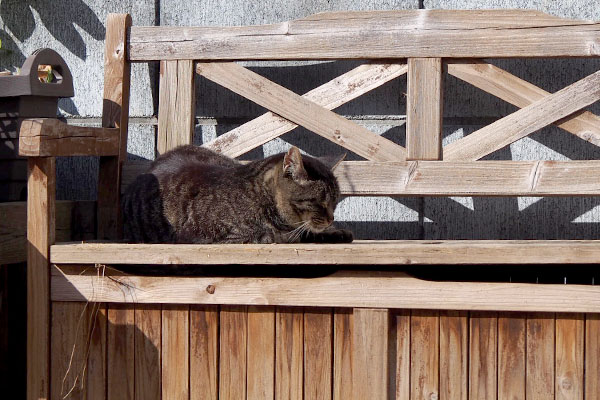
(176, 106)
(370, 376)
(41, 188)
(115, 113)
(424, 109)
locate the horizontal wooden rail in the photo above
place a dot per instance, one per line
(390, 34)
(49, 137)
(362, 252)
(445, 178)
(342, 289)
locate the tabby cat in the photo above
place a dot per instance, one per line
(194, 195)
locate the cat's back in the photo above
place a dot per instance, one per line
(189, 157)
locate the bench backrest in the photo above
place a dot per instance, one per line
(422, 44)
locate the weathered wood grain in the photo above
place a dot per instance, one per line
(592, 356)
(424, 104)
(330, 95)
(261, 353)
(289, 353)
(521, 93)
(301, 111)
(233, 352)
(511, 356)
(540, 356)
(483, 356)
(343, 333)
(120, 352)
(148, 349)
(394, 34)
(455, 178)
(96, 364)
(175, 352)
(401, 327)
(454, 355)
(526, 120)
(569, 356)
(177, 104)
(41, 187)
(424, 354)
(360, 252)
(318, 353)
(45, 137)
(115, 114)
(370, 354)
(204, 352)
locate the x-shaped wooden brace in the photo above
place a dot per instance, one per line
(538, 109)
(311, 111)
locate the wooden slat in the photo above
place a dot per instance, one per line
(569, 356)
(96, 364)
(177, 103)
(45, 137)
(360, 252)
(521, 93)
(318, 332)
(261, 353)
(330, 95)
(454, 355)
(424, 354)
(526, 120)
(41, 188)
(483, 356)
(592, 356)
(511, 356)
(204, 352)
(455, 178)
(115, 114)
(233, 351)
(370, 353)
(120, 352)
(401, 327)
(148, 338)
(343, 332)
(175, 352)
(301, 111)
(289, 353)
(396, 34)
(343, 289)
(540, 356)
(424, 109)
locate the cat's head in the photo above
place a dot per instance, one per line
(307, 192)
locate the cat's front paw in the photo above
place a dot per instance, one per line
(331, 236)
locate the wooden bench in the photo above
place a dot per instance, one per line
(232, 337)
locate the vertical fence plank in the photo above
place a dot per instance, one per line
(175, 351)
(511, 356)
(483, 341)
(592, 356)
(401, 326)
(204, 348)
(120, 352)
(41, 188)
(370, 354)
(424, 354)
(540, 356)
(318, 332)
(148, 338)
(342, 353)
(232, 356)
(569, 356)
(454, 356)
(289, 353)
(96, 363)
(261, 353)
(424, 109)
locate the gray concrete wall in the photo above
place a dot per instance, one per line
(75, 28)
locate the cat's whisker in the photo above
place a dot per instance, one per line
(298, 232)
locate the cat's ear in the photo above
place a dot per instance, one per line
(293, 165)
(332, 161)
